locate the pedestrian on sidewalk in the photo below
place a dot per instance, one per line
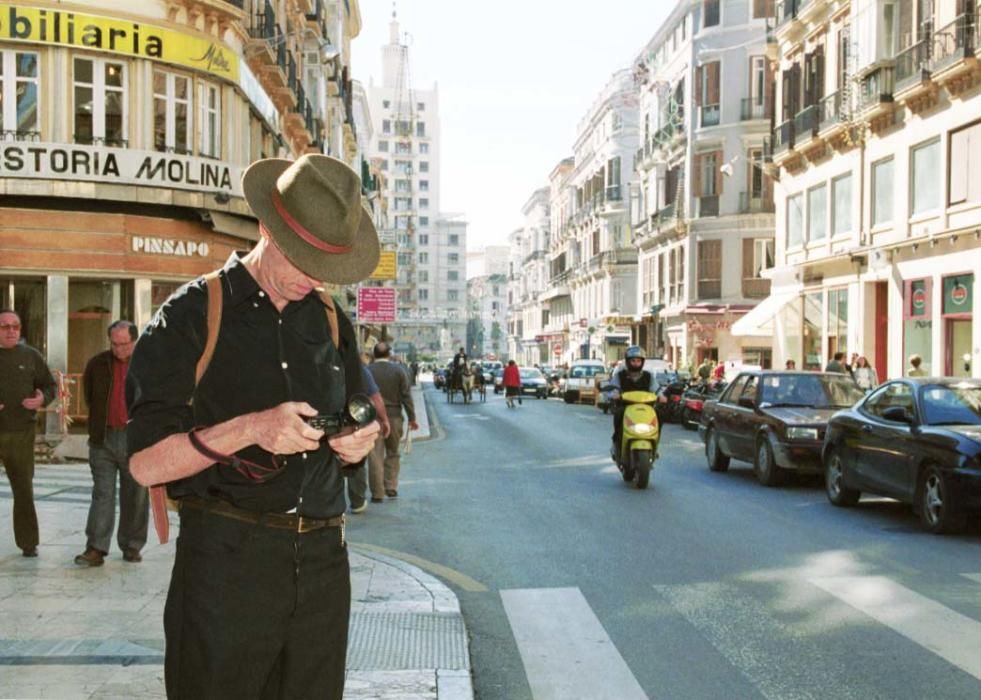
(512, 383)
(26, 385)
(104, 383)
(260, 596)
(865, 375)
(384, 462)
(914, 369)
(837, 364)
(357, 478)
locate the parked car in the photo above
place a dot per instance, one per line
(694, 401)
(498, 380)
(915, 440)
(776, 420)
(580, 384)
(533, 382)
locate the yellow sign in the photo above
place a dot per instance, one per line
(119, 36)
(386, 266)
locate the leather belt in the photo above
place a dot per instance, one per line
(282, 521)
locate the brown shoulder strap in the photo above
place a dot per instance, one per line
(215, 293)
(331, 310)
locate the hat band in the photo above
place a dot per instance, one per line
(303, 233)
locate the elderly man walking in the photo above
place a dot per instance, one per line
(384, 461)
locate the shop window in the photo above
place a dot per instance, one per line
(210, 120)
(917, 322)
(958, 312)
(837, 321)
(171, 112)
(811, 340)
(19, 94)
(100, 94)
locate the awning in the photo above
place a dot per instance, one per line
(233, 225)
(758, 321)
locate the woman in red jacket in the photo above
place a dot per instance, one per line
(512, 383)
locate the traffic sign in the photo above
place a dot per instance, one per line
(557, 349)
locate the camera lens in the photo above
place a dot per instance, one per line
(361, 410)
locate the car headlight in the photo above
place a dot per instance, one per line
(642, 428)
(802, 433)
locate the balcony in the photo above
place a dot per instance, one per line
(953, 61)
(786, 12)
(752, 108)
(755, 203)
(708, 205)
(783, 137)
(875, 97)
(614, 194)
(710, 115)
(914, 87)
(805, 125)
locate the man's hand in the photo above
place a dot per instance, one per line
(35, 402)
(413, 425)
(386, 427)
(281, 430)
(355, 446)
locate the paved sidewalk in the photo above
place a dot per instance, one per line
(69, 632)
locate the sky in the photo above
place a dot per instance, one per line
(515, 78)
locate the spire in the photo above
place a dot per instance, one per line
(393, 27)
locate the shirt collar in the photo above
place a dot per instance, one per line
(244, 286)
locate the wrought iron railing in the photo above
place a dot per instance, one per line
(913, 64)
(806, 123)
(829, 110)
(710, 115)
(752, 108)
(877, 86)
(783, 136)
(786, 10)
(953, 41)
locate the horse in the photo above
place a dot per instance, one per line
(461, 379)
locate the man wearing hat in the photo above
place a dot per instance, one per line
(260, 593)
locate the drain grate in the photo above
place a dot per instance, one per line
(405, 641)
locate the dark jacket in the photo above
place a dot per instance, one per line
(22, 372)
(97, 382)
(393, 383)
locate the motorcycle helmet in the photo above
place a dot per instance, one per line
(634, 358)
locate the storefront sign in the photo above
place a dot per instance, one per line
(386, 269)
(376, 304)
(118, 166)
(958, 294)
(119, 36)
(694, 325)
(167, 246)
(918, 298)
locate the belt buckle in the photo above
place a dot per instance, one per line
(305, 524)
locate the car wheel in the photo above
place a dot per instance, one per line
(717, 461)
(767, 471)
(938, 512)
(570, 397)
(834, 481)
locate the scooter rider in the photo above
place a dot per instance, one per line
(631, 377)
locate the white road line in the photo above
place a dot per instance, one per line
(973, 577)
(948, 634)
(564, 648)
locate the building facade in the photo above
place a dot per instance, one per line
(487, 323)
(878, 213)
(430, 245)
(125, 134)
(527, 279)
(702, 210)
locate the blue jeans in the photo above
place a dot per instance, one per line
(106, 462)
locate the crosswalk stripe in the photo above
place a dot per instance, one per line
(947, 633)
(564, 648)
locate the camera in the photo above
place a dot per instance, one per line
(358, 413)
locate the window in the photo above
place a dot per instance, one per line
(423, 275)
(964, 172)
(403, 147)
(420, 106)
(917, 321)
(386, 104)
(841, 205)
(423, 258)
(423, 239)
(795, 220)
(749, 391)
(710, 13)
(762, 255)
(813, 318)
(424, 203)
(707, 92)
(420, 128)
(171, 112)
(882, 192)
(709, 269)
(403, 167)
(454, 239)
(763, 9)
(210, 120)
(423, 295)
(453, 275)
(100, 101)
(452, 295)
(890, 396)
(383, 146)
(453, 258)
(424, 148)
(925, 182)
(19, 93)
(384, 165)
(735, 389)
(424, 167)
(837, 321)
(386, 126)
(403, 203)
(423, 185)
(402, 186)
(817, 204)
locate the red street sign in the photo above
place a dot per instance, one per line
(376, 304)
(557, 349)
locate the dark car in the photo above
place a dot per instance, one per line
(439, 378)
(915, 440)
(776, 420)
(533, 382)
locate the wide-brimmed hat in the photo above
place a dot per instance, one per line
(312, 210)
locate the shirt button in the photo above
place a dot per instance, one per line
(304, 455)
(255, 304)
(285, 365)
(280, 321)
(262, 293)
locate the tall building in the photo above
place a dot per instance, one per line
(878, 213)
(702, 212)
(488, 311)
(527, 279)
(125, 135)
(430, 245)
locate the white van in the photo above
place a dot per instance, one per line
(580, 383)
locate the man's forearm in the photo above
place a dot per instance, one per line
(175, 458)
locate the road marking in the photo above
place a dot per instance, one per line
(564, 648)
(947, 633)
(973, 577)
(452, 575)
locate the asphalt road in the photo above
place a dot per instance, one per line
(706, 585)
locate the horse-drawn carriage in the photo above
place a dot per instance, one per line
(465, 379)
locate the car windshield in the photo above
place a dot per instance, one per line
(530, 373)
(585, 371)
(810, 390)
(954, 404)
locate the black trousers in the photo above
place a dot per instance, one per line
(256, 612)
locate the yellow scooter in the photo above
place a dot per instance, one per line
(641, 433)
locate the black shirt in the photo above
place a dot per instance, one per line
(22, 372)
(263, 357)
